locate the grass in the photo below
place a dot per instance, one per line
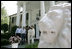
(35, 45)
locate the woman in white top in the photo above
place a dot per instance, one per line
(31, 34)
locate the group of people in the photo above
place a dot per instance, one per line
(26, 33)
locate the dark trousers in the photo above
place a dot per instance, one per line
(23, 36)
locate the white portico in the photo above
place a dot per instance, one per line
(32, 8)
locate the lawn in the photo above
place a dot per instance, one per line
(35, 45)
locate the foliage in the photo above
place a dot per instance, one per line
(3, 11)
(35, 45)
(8, 35)
(5, 35)
(4, 27)
(4, 42)
(13, 29)
(4, 18)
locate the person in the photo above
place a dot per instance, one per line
(23, 34)
(31, 34)
(18, 31)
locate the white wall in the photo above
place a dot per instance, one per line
(33, 16)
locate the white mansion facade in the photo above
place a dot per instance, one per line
(32, 12)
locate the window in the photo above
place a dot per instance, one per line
(27, 15)
(39, 13)
(12, 19)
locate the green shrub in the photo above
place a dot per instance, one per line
(4, 27)
(4, 42)
(6, 35)
(13, 30)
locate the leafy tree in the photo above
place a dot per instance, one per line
(3, 11)
(4, 17)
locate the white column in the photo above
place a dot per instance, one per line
(52, 3)
(37, 31)
(42, 8)
(24, 15)
(18, 16)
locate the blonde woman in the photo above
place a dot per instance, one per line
(31, 34)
